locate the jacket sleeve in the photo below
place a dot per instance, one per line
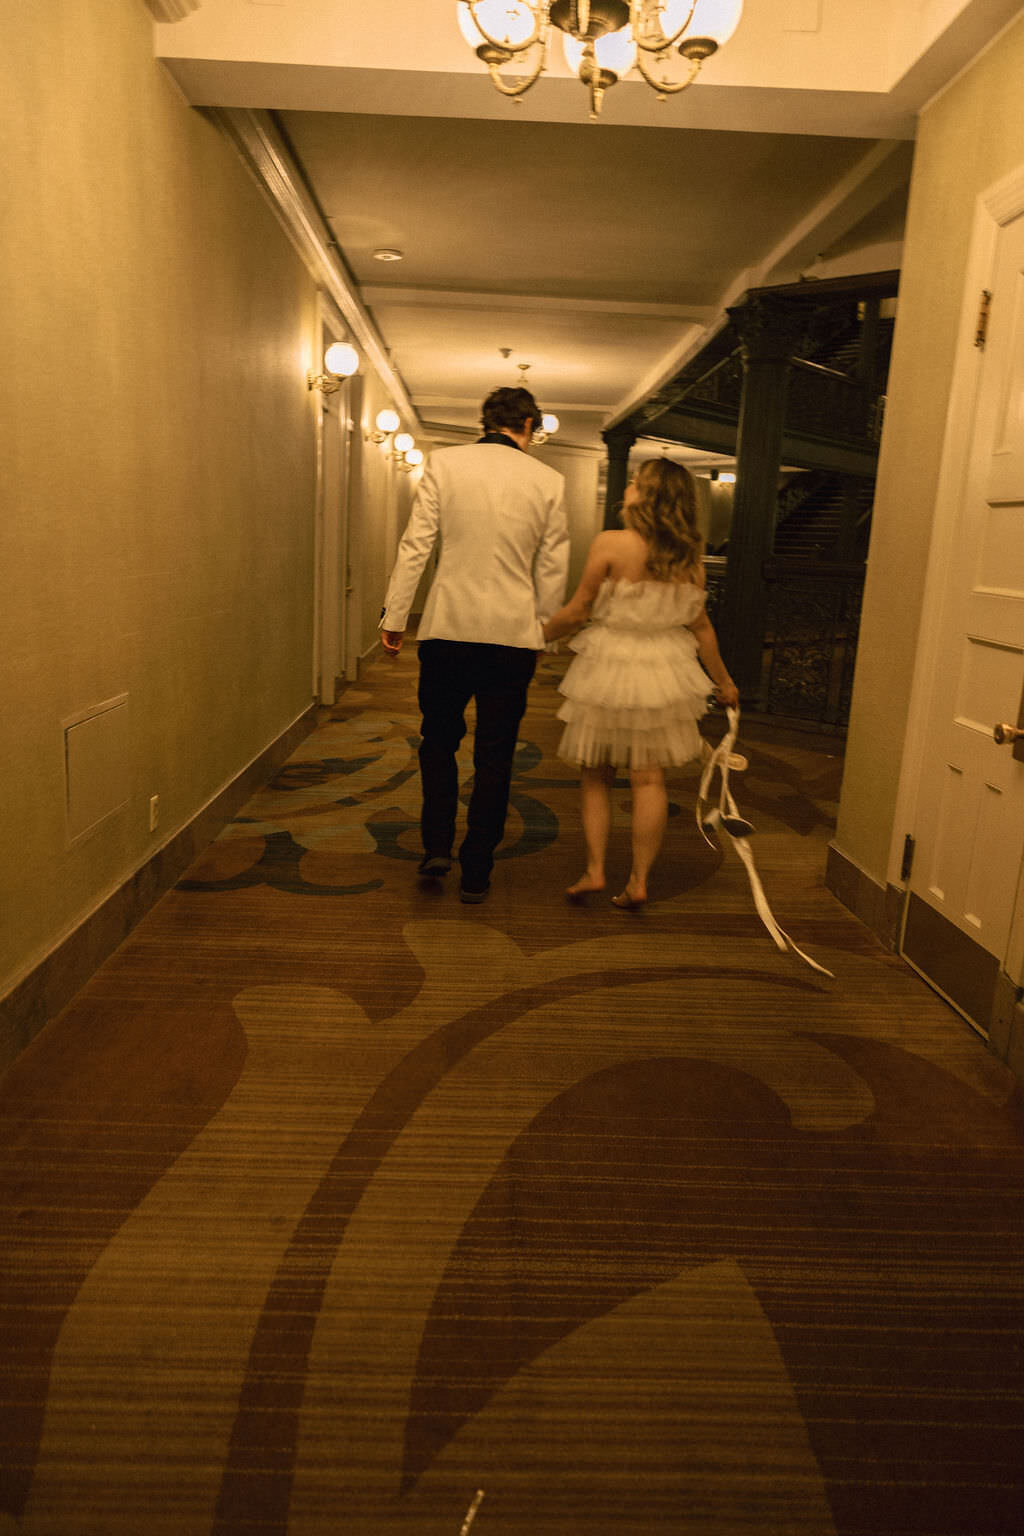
(418, 540)
(551, 562)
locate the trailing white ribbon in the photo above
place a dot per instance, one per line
(726, 815)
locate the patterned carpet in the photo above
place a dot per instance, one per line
(333, 1205)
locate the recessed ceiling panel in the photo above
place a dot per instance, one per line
(655, 215)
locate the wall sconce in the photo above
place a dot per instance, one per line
(411, 459)
(401, 443)
(341, 361)
(727, 479)
(387, 422)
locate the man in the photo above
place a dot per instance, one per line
(502, 569)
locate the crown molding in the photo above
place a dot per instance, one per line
(171, 10)
(256, 139)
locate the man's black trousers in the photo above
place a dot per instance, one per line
(497, 676)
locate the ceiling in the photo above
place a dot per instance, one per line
(600, 253)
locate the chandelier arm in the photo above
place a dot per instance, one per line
(665, 42)
(523, 86)
(668, 89)
(540, 22)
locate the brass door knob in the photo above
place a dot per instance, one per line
(1006, 733)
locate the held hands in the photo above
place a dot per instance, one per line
(727, 694)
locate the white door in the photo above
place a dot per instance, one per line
(969, 826)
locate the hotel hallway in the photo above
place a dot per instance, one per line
(330, 1201)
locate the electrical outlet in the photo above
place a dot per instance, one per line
(154, 812)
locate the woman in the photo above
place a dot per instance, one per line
(635, 690)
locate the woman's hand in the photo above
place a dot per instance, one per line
(727, 694)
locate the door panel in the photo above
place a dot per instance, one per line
(970, 822)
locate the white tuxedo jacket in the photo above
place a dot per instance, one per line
(504, 548)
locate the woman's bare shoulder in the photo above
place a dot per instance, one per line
(626, 551)
(613, 538)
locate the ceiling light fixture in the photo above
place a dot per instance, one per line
(388, 253)
(602, 39)
(548, 422)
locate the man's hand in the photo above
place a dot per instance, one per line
(391, 640)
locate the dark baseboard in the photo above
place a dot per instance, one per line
(879, 907)
(52, 984)
(1006, 1026)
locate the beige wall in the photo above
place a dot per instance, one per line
(969, 137)
(157, 446)
(584, 516)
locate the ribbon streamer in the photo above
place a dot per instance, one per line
(726, 815)
(471, 1512)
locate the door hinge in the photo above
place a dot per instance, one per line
(908, 857)
(981, 333)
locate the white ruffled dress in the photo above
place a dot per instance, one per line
(635, 689)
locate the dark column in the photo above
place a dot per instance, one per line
(847, 543)
(867, 358)
(768, 332)
(619, 440)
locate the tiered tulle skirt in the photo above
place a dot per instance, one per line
(633, 698)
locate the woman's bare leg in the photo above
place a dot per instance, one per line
(596, 810)
(650, 815)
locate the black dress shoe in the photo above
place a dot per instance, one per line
(434, 866)
(473, 897)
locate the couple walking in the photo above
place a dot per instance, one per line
(633, 693)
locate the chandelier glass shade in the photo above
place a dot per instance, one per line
(602, 39)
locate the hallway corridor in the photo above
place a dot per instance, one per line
(331, 1201)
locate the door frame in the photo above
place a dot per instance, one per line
(995, 207)
(331, 587)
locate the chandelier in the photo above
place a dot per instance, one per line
(602, 39)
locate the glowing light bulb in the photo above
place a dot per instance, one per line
(549, 423)
(403, 442)
(414, 456)
(387, 420)
(509, 22)
(341, 358)
(717, 19)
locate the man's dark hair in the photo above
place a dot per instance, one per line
(511, 408)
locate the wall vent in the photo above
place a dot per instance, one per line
(96, 765)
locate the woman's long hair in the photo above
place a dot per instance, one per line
(665, 516)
